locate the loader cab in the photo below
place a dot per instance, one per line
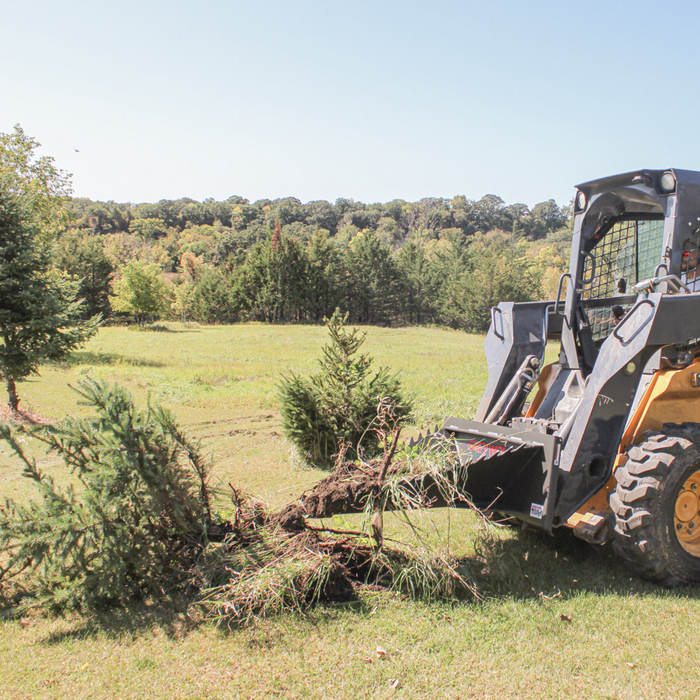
(623, 229)
(634, 235)
(628, 252)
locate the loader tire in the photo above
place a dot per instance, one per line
(657, 506)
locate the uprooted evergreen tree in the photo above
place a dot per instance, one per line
(137, 525)
(133, 525)
(336, 408)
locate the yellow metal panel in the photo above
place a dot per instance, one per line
(548, 376)
(670, 398)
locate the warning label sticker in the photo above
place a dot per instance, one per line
(536, 511)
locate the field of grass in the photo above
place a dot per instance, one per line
(619, 637)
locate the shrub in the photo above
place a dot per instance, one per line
(337, 407)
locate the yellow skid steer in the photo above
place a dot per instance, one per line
(610, 444)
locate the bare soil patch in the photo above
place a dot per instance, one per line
(22, 416)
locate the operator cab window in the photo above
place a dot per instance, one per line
(625, 254)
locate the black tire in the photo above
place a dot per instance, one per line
(644, 504)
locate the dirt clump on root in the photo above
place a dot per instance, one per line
(353, 486)
(345, 490)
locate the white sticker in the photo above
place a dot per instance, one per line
(536, 511)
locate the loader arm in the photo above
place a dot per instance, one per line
(590, 448)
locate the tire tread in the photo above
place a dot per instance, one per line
(640, 486)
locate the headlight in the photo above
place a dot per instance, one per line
(667, 182)
(581, 201)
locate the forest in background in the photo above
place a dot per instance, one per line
(435, 261)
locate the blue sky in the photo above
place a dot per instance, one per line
(369, 100)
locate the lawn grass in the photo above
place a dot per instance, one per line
(625, 638)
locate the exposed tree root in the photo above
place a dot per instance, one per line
(269, 562)
(352, 486)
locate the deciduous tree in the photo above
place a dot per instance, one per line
(141, 291)
(42, 187)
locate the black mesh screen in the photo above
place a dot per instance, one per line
(627, 253)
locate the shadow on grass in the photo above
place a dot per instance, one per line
(160, 328)
(527, 566)
(176, 621)
(170, 619)
(87, 357)
(22, 416)
(532, 564)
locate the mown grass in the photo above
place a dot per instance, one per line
(625, 638)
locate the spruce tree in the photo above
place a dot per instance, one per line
(337, 407)
(39, 311)
(132, 523)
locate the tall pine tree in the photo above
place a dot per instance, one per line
(39, 312)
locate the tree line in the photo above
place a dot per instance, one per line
(442, 261)
(68, 264)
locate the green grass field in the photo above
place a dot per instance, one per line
(625, 638)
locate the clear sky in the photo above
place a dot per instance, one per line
(371, 100)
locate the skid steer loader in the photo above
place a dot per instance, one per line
(610, 444)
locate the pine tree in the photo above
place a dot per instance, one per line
(337, 407)
(418, 288)
(136, 522)
(39, 312)
(497, 270)
(372, 280)
(324, 285)
(272, 283)
(212, 298)
(83, 259)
